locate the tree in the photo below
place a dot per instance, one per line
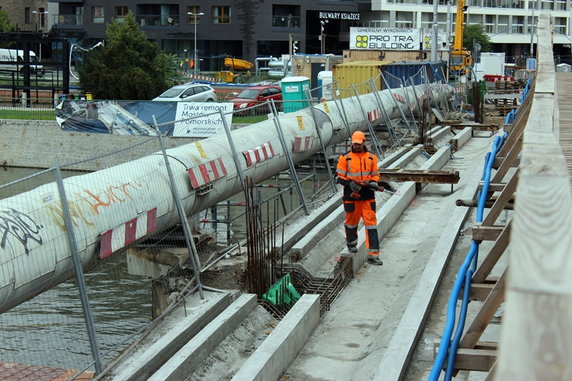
(128, 66)
(5, 24)
(475, 33)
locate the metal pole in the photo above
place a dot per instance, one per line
(381, 106)
(340, 106)
(532, 30)
(394, 101)
(313, 111)
(195, 64)
(291, 165)
(78, 273)
(404, 89)
(234, 153)
(434, 31)
(193, 254)
(376, 144)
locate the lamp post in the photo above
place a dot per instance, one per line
(40, 15)
(195, 15)
(323, 36)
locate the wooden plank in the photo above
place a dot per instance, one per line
(486, 233)
(537, 335)
(493, 186)
(505, 196)
(479, 291)
(496, 251)
(485, 314)
(475, 359)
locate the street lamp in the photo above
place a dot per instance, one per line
(40, 14)
(323, 36)
(195, 15)
(40, 17)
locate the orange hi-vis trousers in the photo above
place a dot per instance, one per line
(366, 210)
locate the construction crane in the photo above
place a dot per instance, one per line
(461, 58)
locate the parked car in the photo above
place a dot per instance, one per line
(189, 92)
(254, 95)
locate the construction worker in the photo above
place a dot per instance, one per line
(357, 172)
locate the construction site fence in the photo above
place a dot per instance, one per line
(84, 323)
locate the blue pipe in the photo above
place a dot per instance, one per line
(451, 311)
(464, 275)
(459, 332)
(490, 160)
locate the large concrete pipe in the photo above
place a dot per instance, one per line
(114, 207)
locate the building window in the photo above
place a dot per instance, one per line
(97, 15)
(121, 12)
(27, 14)
(221, 15)
(42, 17)
(195, 11)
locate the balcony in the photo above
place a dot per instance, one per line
(285, 21)
(158, 20)
(62, 21)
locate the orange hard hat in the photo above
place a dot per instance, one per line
(358, 137)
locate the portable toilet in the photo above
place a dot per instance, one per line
(295, 93)
(325, 85)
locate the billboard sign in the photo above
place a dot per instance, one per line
(201, 119)
(385, 38)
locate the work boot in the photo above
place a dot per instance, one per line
(374, 260)
(352, 249)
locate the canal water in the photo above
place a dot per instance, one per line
(50, 329)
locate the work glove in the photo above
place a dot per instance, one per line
(375, 186)
(362, 183)
(355, 187)
(355, 195)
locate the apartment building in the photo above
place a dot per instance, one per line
(253, 28)
(239, 28)
(510, 24)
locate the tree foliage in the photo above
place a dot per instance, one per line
(5, 24)
(475, 33)
(128, 66)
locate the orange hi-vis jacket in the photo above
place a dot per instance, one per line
(361, 167)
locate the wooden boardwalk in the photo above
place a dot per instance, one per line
(564, 94)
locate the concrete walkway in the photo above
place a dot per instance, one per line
(351, 341)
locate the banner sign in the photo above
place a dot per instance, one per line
(339, 16)
(385, 39)
(182, 119)
(201, 119)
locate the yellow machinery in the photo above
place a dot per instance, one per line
(461, 58)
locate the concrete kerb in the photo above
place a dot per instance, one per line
(190, 356)
(461, 138)
(327, 217)
(276, 353)
(395, 360)
(140, 364)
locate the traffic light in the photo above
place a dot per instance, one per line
(295, 46)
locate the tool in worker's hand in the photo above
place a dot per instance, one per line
(377, 187)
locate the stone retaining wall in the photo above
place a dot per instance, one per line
(42, 144)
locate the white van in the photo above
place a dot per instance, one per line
(12, 60)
